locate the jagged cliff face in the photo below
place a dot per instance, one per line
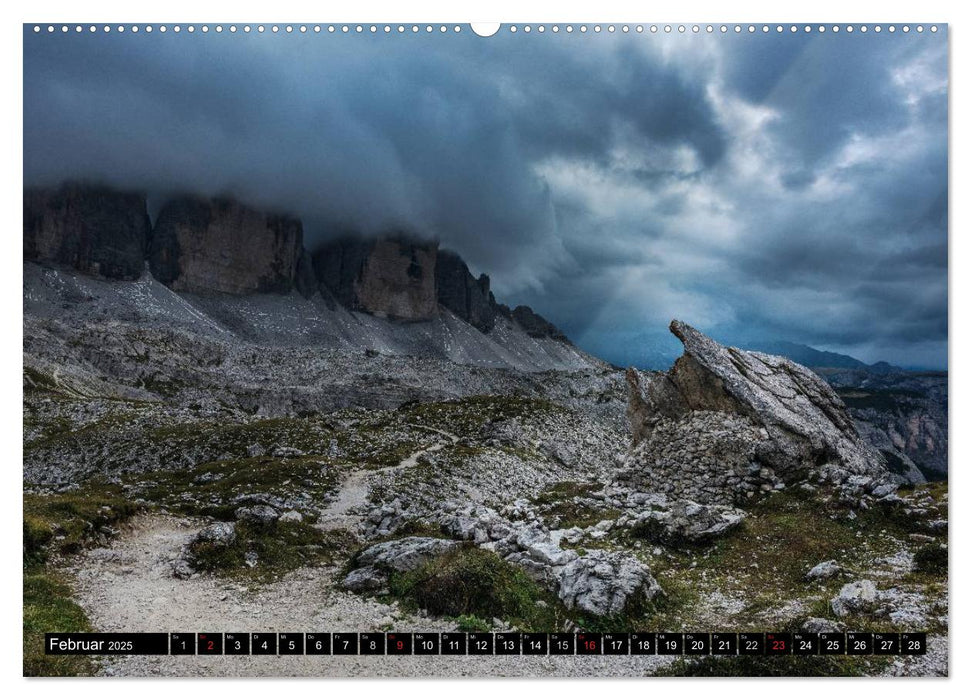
(95, 230)
(466, 296)
(727, 424)
(204, 246)
(536, 325)
(389, 278)
(222, 246)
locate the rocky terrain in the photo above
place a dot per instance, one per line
(904, 414)
(378, 444)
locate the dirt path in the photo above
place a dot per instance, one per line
(129, 587)
(352, 496)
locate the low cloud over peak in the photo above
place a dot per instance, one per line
(760, 186)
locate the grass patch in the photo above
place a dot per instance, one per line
(787, 534)
(560, 510)
(210, 489)
(48, 608)
(65, 522)
(931, 559)
(470, 415)
(475, 582)
(763, 564)
(471, 623)
(279, 548)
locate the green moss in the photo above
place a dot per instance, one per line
(279, 548)
(474, 582)
(471, 623)
(37, 382)
(931, 559)
(48, 608)
(67, 521)
(211, 488)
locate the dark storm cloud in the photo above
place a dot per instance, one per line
(790, 187)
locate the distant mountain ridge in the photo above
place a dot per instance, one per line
(811, 357)
(218, 245)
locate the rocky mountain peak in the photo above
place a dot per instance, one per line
(219, 245)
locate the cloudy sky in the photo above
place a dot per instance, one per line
(789, 187)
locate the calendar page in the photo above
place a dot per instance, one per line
(537, 349)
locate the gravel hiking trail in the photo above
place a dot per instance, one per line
(129, 587)
(352, 495)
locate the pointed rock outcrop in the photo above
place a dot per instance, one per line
(729, 422)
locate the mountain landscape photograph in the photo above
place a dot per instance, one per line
(599, 331)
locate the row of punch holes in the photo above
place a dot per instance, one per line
(513, 28)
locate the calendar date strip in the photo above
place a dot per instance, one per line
(485, 643)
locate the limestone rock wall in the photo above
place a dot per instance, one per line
(466, 296)
(219, 245)
(388, 277)
(93, 229)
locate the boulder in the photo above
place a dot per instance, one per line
(255, 450)
(219, 245)
(218, 534)
(366, 579)
(466, 521)
(93, 229)
(405, 554)
(605, 583)
(259, 515)
(182, 569)
(856, 597)
(284, 451)
(818, 625)
(686, 522)
(824, 570)
(549, 554)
